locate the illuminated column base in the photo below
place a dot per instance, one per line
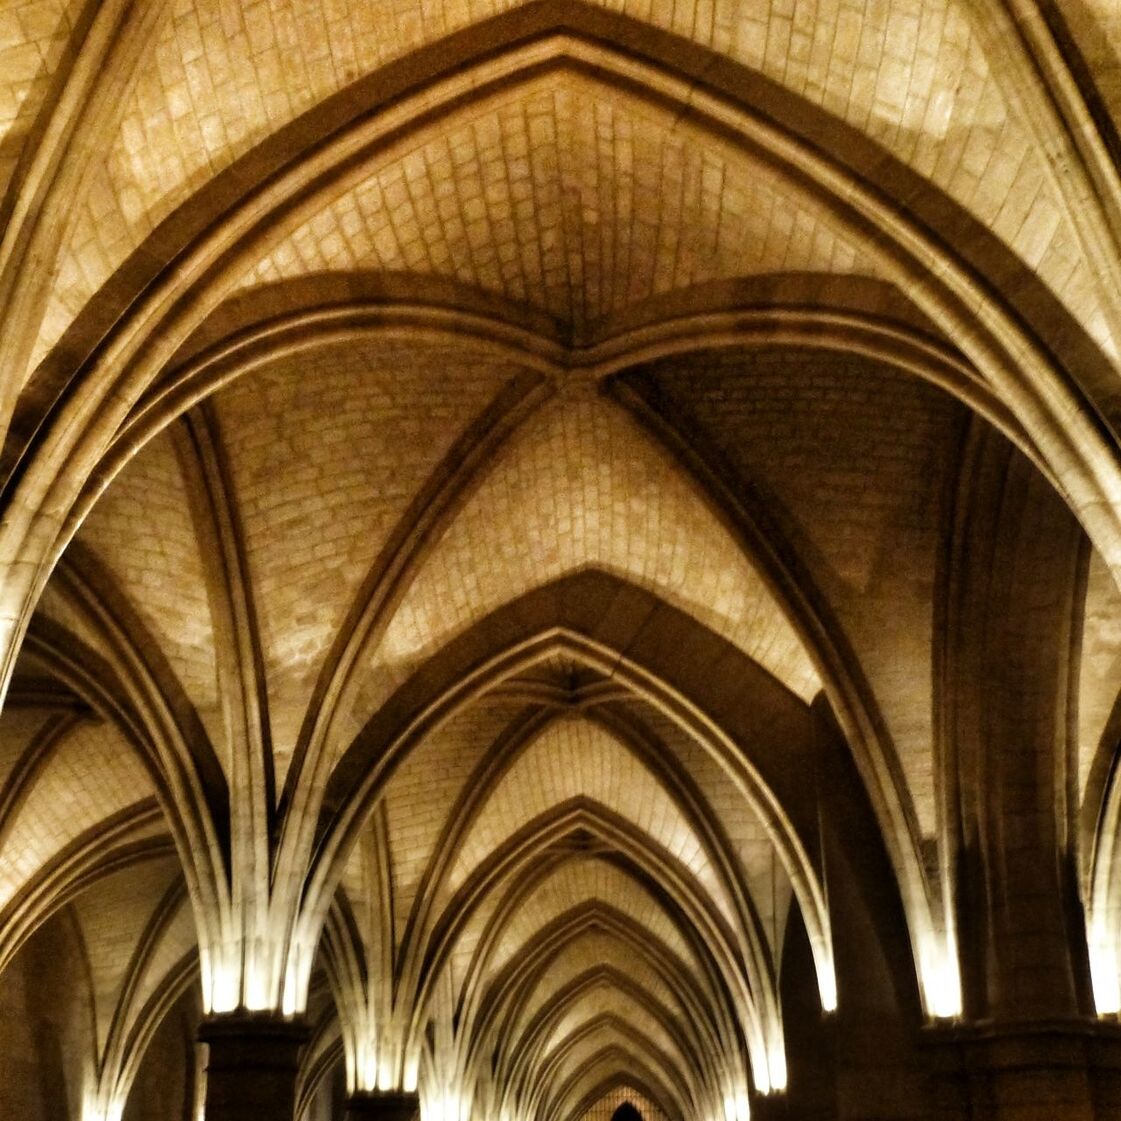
(385, 1105)
(252, 1066)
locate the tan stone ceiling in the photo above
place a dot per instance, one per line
(1101, 649)
(34, 35)
(862, 493)
(581, 485)
(359, 460)
(920, 81)
(90, 775)
(571, 198)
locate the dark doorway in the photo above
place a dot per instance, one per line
(626, 1112)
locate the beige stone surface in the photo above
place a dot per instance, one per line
(914, 76)
(327, 451)
(587, 954)
(1100, 663)
(854, 456)
(142, 530)
(763, 872)
(58, 606)
(574, 759)
(421, 795)
(17, 732)
(577, 881)
(608, 1001)
(33, 36)
(580, 486)
(558, 350)
(176, 941)
(574, 199)
(112, 920)
(91, 774)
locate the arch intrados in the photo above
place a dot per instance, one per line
(67, 657)
(694, 334)
(519, 739)
(514, 985)
(517, 862)
(594, 977)
(699, 811)
(582, 987)
(169, 724)
(1099, 822)
(33, 756)
(551, 1064)
(361, 775)
(711, 317)
(472, 797)
(71, 662)
(992, 350)
(175, 983)
(365, 767)
(343, 951)
(170, 903)
(670, 1099)
(610, 1085)
(816, 336)
(317, 1066)
(132, 1029)
(111, 847)
(906, 238)
(707, 974)
(693, 66)
(557, 1052)
(696, 811)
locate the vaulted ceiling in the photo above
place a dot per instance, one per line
(467, 464)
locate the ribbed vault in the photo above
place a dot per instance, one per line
(570, 547)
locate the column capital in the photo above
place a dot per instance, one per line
(1018, 1043)
(383, 1105)
(252, 1063)
(263, 1025)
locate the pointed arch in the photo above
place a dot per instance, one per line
(596, 617)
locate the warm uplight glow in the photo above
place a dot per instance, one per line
(257, 996)
(249, 985)
(776, 1066)
(409, 1084)
(737, 1107)
(941, 980)
(1103, 969)
(375, 1059)
(95, 1110)
(824, 967)
(387, 1074)
(1107, 984)
(827, 986)
(365, 1073)
(446, 1106)
(225, 992)
(297, 976)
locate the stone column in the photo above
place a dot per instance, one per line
(252, 1066)
(771, 1107)
(1010, 653)
(1063, 1071)
(1027, 1047)
(388, 1105)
